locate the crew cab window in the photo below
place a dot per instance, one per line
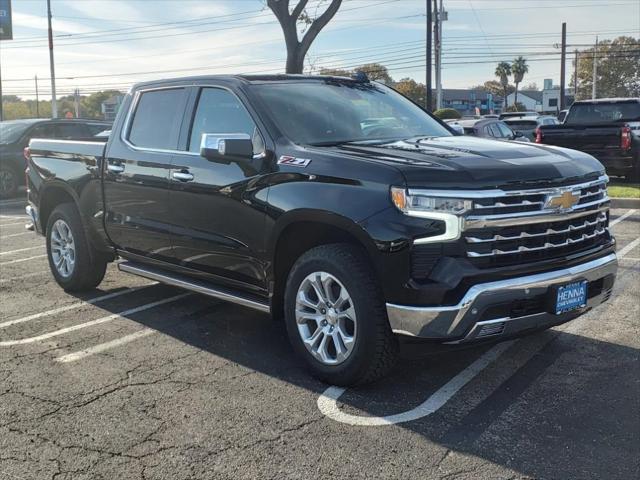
(157, 118)
(219, 111)
(494, 131)
(505, 132)
(69, 130)
(585, 113)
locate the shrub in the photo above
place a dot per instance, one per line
(447, 114)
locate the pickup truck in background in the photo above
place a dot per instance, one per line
(607, 128)
(285, 194)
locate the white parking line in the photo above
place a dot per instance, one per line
(87, 352)
(108, 318)
(622, 218)
(327, 402)
(630, 246)
(11, 252)
(22, 260)
(12, 224)
(14, 217)
(73, 306)
(16, 235)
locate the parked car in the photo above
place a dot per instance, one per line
(15, 136)
(455, 126)
(607, 128)
(505, 115)
(491, 128)
(528, 125)
(268, 192)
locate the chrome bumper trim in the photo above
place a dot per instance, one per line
(451, 322)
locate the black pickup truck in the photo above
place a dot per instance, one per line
(281, 194)
(607, 128)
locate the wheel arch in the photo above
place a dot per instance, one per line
(53, 194)
(299, 231)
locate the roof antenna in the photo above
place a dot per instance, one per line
(360, 77)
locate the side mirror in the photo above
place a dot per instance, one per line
(226, 147)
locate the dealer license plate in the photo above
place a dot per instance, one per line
(570, 297)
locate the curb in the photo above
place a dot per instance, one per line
(625, 203)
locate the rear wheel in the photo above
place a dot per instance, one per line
(634, 176)
(9, 181)
(336, 317)
(73, 263)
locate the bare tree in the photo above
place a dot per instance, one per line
(289, 20)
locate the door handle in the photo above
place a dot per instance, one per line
(115, 168)
(182, 176)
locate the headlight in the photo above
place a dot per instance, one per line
(434, 207)
(414, 204)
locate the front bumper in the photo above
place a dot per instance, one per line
(471, 319)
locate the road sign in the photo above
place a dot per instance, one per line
(6, 28)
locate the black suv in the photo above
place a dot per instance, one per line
(15, 136)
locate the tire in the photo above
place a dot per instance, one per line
(634, 176)
(373, 348)
(9, 181)
(79, 268)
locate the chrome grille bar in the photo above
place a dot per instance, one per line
(550, 231)
(546, 246)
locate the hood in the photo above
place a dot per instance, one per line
(471, 162)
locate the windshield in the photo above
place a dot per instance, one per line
(12, 131)
(603, 112)
(333, 112)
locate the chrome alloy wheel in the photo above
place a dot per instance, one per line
(63, 248)
(326, 318)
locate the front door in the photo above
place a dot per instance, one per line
(136, 181)
(216, 207)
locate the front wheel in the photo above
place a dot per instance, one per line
(73, 264)
(336, 317)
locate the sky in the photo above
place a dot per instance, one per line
(103, 44)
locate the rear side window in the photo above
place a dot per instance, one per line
(95, 128)
(70, 130)
(584, 113)
(156, 121)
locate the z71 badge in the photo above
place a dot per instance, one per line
(293, 161)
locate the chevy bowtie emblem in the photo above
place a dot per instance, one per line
(562, 201)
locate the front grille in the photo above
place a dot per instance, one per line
(506, 228)
(536, 201)
(491, 247)
(536, 225)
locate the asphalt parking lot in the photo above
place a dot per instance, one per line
(142, 381)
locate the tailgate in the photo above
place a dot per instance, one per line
(597, 140)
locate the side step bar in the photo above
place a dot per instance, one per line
(198, 286)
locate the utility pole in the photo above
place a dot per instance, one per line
(429, 40)
(54, 104)
(37, 99)
(436, 48)
(441, 17)
(575, 76)
(1, 111)
(595, 70)
(563, 61)
(76, 101)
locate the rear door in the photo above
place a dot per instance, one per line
(136, 180)
(218, 208)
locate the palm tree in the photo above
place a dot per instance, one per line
(519, 68)
(503, 70)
